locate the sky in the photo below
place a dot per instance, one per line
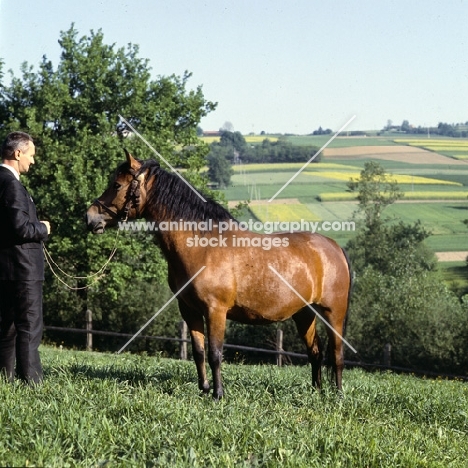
(286, 66)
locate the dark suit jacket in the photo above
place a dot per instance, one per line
(21, 232)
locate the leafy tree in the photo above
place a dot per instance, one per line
(72, 112)
(219, 165)
(233, 140)
(386, 246)
(376, 190)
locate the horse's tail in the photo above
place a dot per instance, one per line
(350, 288)
(328, 361)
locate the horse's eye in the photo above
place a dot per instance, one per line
(117, 186)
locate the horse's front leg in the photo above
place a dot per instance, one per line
(196, 327)
(216, 324)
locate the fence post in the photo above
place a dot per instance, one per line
(279, 347)
(387, 355)
(183, 344)
(89, 327)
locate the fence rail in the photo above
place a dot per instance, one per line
(279, 351)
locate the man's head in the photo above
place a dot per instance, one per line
(18, 151)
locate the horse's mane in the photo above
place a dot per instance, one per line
(172, 199)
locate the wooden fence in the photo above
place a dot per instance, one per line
(182, 339)
(278, 351)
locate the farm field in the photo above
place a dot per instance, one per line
(455, 148)
(107, 410)
(435, 187)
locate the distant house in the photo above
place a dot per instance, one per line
(212, 133)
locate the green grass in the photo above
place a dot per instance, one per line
(341, 141)
(106, 410)
(455, 274)
(447, 242)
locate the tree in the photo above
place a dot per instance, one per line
(405, 126)
(379, 243)
(233, 140)
(227, 127)
(219, 165)
(376, 190)
(72, 112)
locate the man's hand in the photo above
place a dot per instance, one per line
(47, 226)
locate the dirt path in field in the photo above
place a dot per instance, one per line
(407, 154)
(451, 256)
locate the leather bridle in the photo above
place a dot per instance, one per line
(133, 198)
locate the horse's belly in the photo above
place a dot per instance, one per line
(250, 316)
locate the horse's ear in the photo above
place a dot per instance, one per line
(134, 164)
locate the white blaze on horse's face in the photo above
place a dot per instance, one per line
(119, 201)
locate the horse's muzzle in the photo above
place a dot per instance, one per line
(94, 223)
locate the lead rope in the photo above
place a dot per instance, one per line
(97, 274)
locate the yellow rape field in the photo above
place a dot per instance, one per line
(410, 195)
(265, 167)
(399, 178)
(269, 212)
(248, 139)
(431, 142)
(259, 138)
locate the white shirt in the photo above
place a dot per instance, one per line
(12, 169)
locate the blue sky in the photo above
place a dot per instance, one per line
(276, 66)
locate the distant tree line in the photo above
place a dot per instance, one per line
(458, 130)
(321, 131)
(232, 148)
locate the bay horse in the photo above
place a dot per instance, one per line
(238, 281)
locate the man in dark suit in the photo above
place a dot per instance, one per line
(21, 264)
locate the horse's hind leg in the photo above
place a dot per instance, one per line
(335, 344)
(196, 327)
(306, 327)
(216, 324)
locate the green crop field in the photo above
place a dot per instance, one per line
(96, 410)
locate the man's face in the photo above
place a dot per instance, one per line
(26, 158)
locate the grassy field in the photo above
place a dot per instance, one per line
(106, 410)
(455, 274)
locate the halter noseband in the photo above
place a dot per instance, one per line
(133, 198)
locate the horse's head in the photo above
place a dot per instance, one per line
(123, 199)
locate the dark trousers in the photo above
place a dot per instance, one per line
(21, 329)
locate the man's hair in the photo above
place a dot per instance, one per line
(15, 141)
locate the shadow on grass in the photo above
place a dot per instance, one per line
(133, 375)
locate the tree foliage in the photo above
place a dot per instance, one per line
(220, 166)
(422, 320)
(72, 111)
